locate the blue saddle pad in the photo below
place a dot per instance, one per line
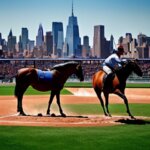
(44, 75)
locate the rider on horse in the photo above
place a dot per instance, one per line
(112, 64)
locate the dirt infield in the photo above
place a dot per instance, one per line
(38, 104)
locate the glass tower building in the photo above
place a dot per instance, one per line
(58, 38)
(73, 41)
(40, 36)
(11, 42)
(24, 38)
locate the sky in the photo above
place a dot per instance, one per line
(118, 16)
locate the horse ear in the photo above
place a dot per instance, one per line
(136, 60)
(78, 66)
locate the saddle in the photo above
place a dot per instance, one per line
(44, 75)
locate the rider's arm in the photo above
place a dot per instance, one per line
(117, 63)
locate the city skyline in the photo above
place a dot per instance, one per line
(118, 17)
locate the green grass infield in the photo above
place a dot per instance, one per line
(89, 85)
(9, 89)
(122, 137)
(115, 109)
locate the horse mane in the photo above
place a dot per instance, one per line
(62, 65)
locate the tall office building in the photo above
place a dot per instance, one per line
(49, 43)
(86, 41)
(102, 48)
(98, 41)
(11, 42)
(112, 44)
(126, 43)
(24, 38)
(143, 47)
(129, 37)
(129, 45)
(86, 48)
(141, 39)
(58, 38)
(73, 40)
(40, 37)
(20, 44)
(30, 45)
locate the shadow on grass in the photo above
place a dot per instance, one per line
(134, 121)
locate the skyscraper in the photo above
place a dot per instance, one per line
(11, 42)
(141, 39)
(40, 37)
(24, 39)
(73, 40)
(98, 41)
(49, 43)
(112, 44)
(58, 38)
(86, 47)
(128, 37)
(143, 47)
(30, 45)
(20, 44)
(101, 46)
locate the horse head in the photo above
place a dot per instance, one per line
(79, 72)
(129, 66)
(135, 67)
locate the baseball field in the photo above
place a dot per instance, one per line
(85, 126)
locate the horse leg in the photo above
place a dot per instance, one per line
(50, 102)
(119, 93)
(20, 88)
(59, 105)
(19, 91)
(98, 92)
(106, 95)
(19, 106)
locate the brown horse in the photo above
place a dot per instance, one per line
(117, 86)
(52, 80)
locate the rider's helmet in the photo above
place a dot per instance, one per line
(120, 48)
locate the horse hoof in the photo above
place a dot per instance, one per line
(63, 115)
(132, 117)
(48, 112)
(22, 114)
(106, 114)
(39, 115)
(109, 115)
(53, 115)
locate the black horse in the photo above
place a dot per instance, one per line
(52, 80)
(117, 86)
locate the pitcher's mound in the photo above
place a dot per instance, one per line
(70, 121)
